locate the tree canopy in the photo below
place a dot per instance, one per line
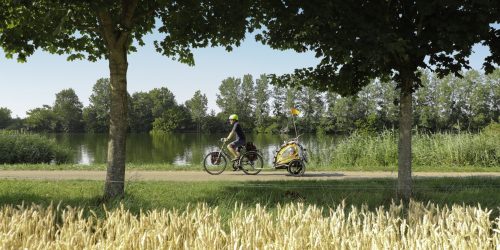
(100, 29)
(358, 41)
(90, 29)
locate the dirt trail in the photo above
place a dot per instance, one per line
(226, 176)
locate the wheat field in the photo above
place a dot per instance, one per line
(291, 226)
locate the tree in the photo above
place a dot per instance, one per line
(68, 110)
(41, 119)
(387, 97)
(247, 101)
(5, 117)
(163, 99)
(365, 109)
(261, 102)
(229, 96)
(493, 83)
(175, 118)
(141, 112)
(96, 115)
(358, 41)
(327, 122)
(311, 105)
(99, 29)
(343, 112)
(425, 103)
(164, 118)
(278, 94)
(197, 107)
(291, 94)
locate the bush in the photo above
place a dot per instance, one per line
(30, 148)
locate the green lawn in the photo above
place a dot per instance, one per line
(150, 195)
(310, 167)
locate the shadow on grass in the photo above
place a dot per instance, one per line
(178, 195)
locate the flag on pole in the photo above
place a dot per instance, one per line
(295, 111)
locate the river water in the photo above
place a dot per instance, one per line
(177, 148)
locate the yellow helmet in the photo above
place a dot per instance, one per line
(233, 117)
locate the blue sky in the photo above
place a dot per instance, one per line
(25, 86)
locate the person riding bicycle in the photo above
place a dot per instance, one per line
(240, 137)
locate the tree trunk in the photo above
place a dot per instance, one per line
(404, 145)
(115, 176)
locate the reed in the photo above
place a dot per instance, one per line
(364, 151)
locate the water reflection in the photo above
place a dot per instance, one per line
(180, 148)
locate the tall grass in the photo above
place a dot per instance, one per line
(429, 150)
(30, 148)
(292, 226)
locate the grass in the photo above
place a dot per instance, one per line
(198, 167)
(170, 195)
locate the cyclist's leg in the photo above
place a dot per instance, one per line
(236, 144)
(232, 149)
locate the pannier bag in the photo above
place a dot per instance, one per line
(252, 149)
(215, 158)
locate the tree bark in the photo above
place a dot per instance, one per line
(115, 176)
(404, 189)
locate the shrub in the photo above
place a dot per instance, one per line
(30, 148)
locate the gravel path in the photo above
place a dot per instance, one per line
(226, 176)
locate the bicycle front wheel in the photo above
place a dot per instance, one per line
(251, 163)
(214, 163)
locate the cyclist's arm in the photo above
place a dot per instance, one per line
(231, 134)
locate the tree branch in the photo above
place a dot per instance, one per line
(129, 7)
(106, 28)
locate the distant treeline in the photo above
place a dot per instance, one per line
(452, 103)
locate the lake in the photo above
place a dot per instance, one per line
(177, 148)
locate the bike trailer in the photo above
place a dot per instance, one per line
(289, 152)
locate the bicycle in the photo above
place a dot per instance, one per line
(249, 161)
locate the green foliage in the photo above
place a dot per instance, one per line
(197, 107)
(213, 124)
(262, 95)
(41, 119)
(30, 148)
(96, 115)
(141, 112)
(229, 97)
(163, 99)
(175, 118)
(91, 29)
(358, 41)
(5, 118)
(68, 110)
(247, 101)
(310, 103)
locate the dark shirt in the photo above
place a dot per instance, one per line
(239, 131)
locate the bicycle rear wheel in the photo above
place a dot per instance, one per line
(214, 163)
(251, 163)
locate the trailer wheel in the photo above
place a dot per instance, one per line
(296, 168)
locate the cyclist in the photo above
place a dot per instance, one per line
(240, 137)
